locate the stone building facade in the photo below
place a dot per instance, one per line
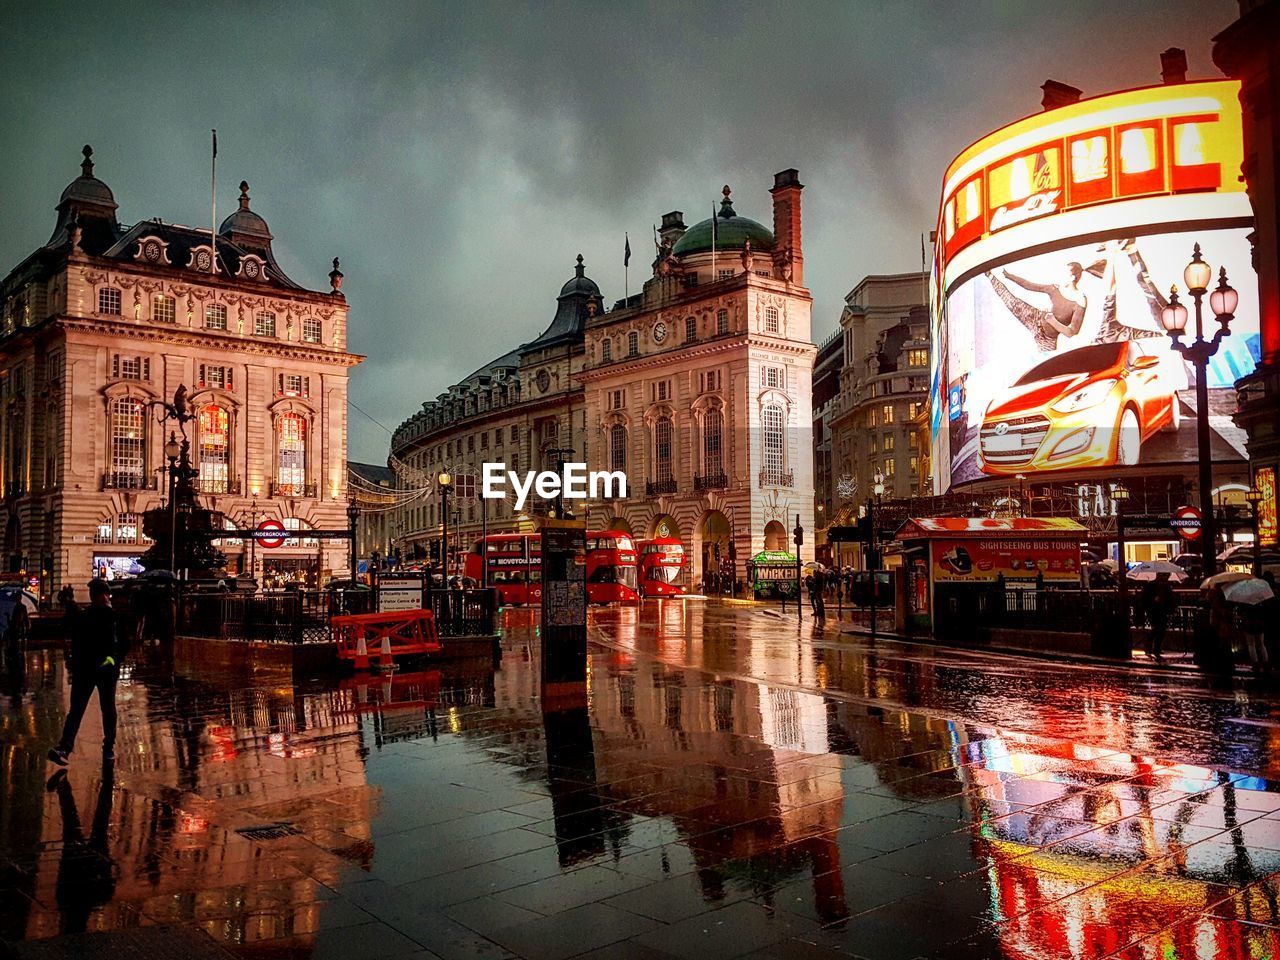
(698, 387)
(826, 396)
(884, 387)
(101, 325)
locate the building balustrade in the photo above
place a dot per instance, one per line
(656, 488)
(117, 480)
(306, 490)
(777, 478)
(218, 485)
(711, 481)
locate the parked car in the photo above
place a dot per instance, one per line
(1090, 407)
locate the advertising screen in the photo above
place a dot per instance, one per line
(1060, 238)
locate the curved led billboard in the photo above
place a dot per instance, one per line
(1059, 238)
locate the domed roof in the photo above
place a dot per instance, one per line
(732, 233)
(244, 221)
(87, 188)
(579, 283)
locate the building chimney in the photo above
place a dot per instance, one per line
(1173, 66)
(673, 227)
(1058, 94)
(788, 254)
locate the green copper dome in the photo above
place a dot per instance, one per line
(732, 233)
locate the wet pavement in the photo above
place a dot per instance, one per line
(734, 785)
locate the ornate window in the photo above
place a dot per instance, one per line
(215, 449)
(662, 448)
(264, 325)
(773, 377)
(312, 332)
(127, 528)
(163, 309)
(216, 375)
(291, 454)
(617, 447)
(130, 368)
(770, 319)
(606, 350)
(215, 316)
(128, 443)
(772, 422)
(712, 443)
(722, 322)
(109, 301)
(690, 328)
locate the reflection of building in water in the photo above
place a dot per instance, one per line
(245, 758)
(740, 769)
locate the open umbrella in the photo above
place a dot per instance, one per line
(1250, 592)
(1150, 569)
(1225, 578)
(813, 566)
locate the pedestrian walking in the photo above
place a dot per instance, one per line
(1251, 626)
(1158, 601)
(95, 665)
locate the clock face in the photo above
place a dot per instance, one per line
(543, 380)
(251, 268)
(659, 332)
(152, 252)
(203, 260)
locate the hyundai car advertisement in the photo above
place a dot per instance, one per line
(1059, 361)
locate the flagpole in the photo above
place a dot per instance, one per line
(213, 198)
(626, 270)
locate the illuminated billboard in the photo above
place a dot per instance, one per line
(1059, 239)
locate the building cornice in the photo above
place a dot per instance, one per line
(703, 348)
(188, 337)
(477, 421)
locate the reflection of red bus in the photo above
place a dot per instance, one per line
(611, 567)
(661, 567)
(515, 566)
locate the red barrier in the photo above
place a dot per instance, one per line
(384, 636)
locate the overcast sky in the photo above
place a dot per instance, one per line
(458, 156)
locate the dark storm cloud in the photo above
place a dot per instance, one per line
(458, 156)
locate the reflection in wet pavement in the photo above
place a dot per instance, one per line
(733, 786)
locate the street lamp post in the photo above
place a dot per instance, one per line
(1222, 302)
(733, 554)
(253, 541)
(877, 489)
(353, 518)
(444, 481)
(1254, 498)
(798, 536)
(172, 450)
(1120, 494)
(1022, 480)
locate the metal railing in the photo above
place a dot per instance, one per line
(115, 480)
(777, 478)
(226, 485)
(656, 488)
(464, 613)
(294, 616)
(711, 481)
(307, 490)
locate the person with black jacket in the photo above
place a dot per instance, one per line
(95, 665)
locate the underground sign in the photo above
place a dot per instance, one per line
(268, 527)
(1186, 520)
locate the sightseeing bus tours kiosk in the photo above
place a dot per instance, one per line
(949, 561)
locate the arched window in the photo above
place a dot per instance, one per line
(772, 421)
(662, 431)
(215, 450)
(712, 443)
(291, 455)
(617, 447)
(128, 444)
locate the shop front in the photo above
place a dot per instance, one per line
(947, 556)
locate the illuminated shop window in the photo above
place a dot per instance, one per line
(127, 528)
(215, 449)
(291, 454)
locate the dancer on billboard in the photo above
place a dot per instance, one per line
(1067, 305)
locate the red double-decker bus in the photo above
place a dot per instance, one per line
(515, 566)
(662, 567)
(611, 567)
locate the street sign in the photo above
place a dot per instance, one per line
(270, 534)
(400, 591)
(1187, 520)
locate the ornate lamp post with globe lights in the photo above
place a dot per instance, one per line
(1222, 301)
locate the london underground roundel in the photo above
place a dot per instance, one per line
(271, 542)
